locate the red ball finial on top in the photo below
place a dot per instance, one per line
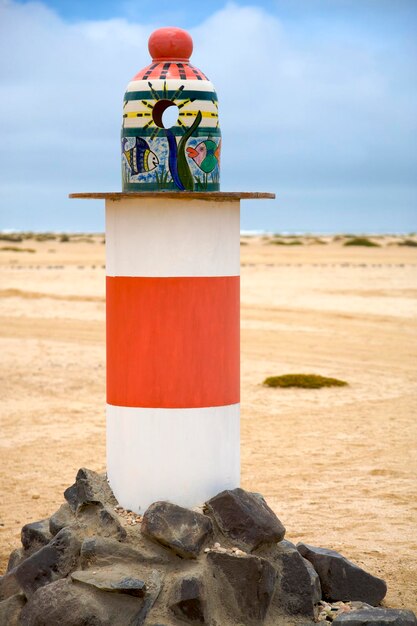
(173, 44)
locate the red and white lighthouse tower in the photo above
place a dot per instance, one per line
(172, 259)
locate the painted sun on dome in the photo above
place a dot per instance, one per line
(179, 156)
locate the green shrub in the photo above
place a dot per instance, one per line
(304, 381)
(64, 238)
(361, 241)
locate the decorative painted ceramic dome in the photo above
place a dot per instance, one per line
(158, 155)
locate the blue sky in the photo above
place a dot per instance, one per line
(318, 103)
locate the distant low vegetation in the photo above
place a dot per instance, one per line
(18, 237)
(82, 238)
(361, 241)
(13, 237)
(408, 242)
(303, 381)
(43, 237)
(16, 249)
(283, 242)
(321, 242)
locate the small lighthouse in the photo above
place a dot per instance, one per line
(172, 291)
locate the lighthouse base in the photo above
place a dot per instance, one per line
(184, 456)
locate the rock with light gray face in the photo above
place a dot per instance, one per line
(377, 617)
(111, 580)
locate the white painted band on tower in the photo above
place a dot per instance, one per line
(181, 455)
(172, 237)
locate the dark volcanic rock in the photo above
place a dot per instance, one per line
(182, 530)
(50, 563)
(103, 551)
(187, 601)
(153, 589)
(87, 566)
(9, 585)
(110, 524)
(315, 581)
(16, 557)
(64, 604)
(10, 610)
(62, 518)
(244, 583)
(89, 488)
(36, 535)
(342, 580)
(109, 579)
(377, 617)
(95, 519)
(298, 585)
(245, 518)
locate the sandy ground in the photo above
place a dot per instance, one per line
(338, 466)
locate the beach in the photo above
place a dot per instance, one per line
(337, 465)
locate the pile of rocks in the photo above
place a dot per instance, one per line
(94, 564)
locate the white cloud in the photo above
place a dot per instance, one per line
(300, 107)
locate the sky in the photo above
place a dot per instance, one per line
(317, 103)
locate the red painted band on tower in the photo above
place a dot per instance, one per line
(172, 342)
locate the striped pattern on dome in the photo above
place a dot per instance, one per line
(179, 153)
(170, 69)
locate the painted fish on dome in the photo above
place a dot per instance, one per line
(140, 158)
(206, 155)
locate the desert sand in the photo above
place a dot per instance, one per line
(337, 465)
